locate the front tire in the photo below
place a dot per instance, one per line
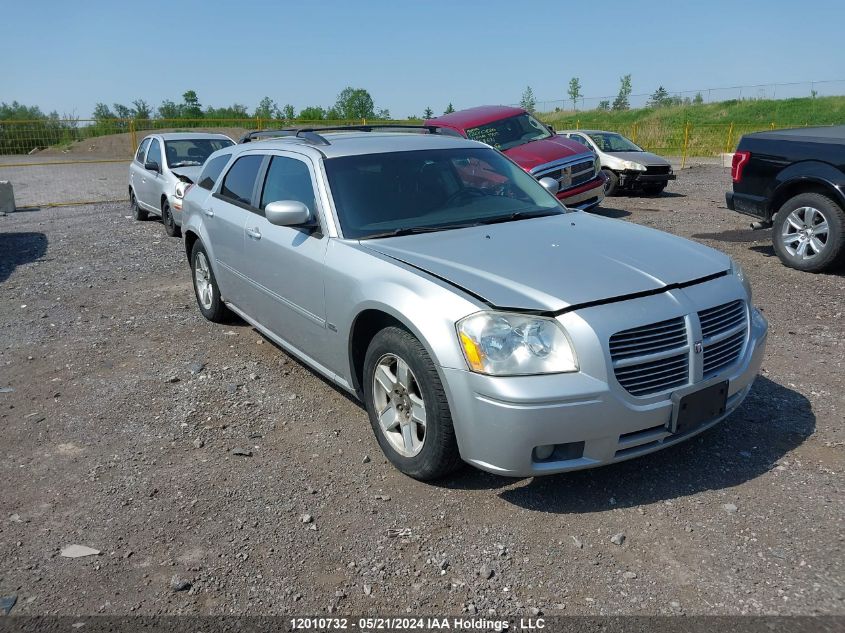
(137, 212)
(611, 183)
(205, 286)
(169, 222)
(407, 406)
(809, 233)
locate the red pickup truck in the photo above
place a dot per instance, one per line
(534, 147)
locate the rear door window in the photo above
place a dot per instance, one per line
(239, 181)
(211, 172)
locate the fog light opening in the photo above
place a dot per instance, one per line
(542, 453)
(558, 452)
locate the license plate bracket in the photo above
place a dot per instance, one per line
(693, 410)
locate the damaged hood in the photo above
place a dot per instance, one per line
(191, 173)
(556, 262)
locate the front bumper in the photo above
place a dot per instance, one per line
(499, 421)
(638, 178)
(584, 196)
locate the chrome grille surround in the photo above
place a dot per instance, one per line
(569, 172)
(652, 358)
(724, 330)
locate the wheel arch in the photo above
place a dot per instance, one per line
(191, 238)
(806, 178)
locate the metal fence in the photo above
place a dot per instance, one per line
(55, 162)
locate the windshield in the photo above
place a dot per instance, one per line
(192, 152)
(510, 132)
(612, 142)
(378, 195)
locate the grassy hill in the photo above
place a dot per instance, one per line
(713, 127)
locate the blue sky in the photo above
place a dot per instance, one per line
(67, 56)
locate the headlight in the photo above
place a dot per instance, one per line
(508, 344)
(181, 187)
(737, 270)
(597, 164)
(629, 164)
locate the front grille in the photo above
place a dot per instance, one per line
(653, 170)
(582, 172)
(723, 329)
(651, 358)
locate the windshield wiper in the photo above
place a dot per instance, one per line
(410, 230)
(519, 215)
(187, 163)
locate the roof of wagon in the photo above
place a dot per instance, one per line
(189, 136)
(357, 143)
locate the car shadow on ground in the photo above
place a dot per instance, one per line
(609, 212)
(771, 422)
(17, 249)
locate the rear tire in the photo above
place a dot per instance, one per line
(611, 185)
(205, 286)
(809, 233)
(169, 223)
(415, 432)
(137, 212)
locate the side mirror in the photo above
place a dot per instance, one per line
(151, 165)
(550, 184)
(551, 128)
(287, 213)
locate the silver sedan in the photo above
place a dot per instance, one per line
(163, 166)
(477, 318)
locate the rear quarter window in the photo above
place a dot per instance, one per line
(212, 170)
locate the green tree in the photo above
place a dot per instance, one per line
(122, 111)
(528, 102)
(621, 101)
(267, 109)
(312, 113)
(234, 111)
(288, 113)
(449, 109)
(383, 114)
(659, 98)
(141, 110)
(575, 92)
(604, 105)
(333, 114)
(191, 107)
(355, 103)
(169, 110)
(428, 113)
(102, 112)
(698, 99)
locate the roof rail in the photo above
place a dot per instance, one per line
(312, 134)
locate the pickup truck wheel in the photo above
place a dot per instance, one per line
(205, 286)
(137, 212)
(809, 232)
(611, 183)
(169, 223)
(407, 406)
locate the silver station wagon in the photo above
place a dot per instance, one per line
(477, 318)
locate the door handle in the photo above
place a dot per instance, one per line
(254, 233)
(208, 212)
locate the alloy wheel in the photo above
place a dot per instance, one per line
(202, 280)
(805, 233)
(399, 405)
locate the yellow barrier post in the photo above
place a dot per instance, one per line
(686, 145)
(133, 137)
(634, 132)
(729, 143)
(577, 124)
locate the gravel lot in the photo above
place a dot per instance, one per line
(123, 413)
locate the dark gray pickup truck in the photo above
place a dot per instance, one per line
(794, 181)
